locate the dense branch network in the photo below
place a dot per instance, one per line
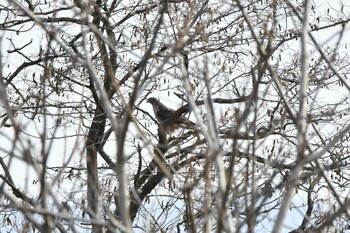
(77, 80)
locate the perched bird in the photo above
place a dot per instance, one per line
(169, 118)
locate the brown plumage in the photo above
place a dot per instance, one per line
(169, 118)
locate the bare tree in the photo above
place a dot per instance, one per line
(82, 149)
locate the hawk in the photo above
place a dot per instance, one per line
(169, 118)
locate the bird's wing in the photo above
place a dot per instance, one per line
(164, 114)
(183, 120)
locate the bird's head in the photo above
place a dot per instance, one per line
(152, 100)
